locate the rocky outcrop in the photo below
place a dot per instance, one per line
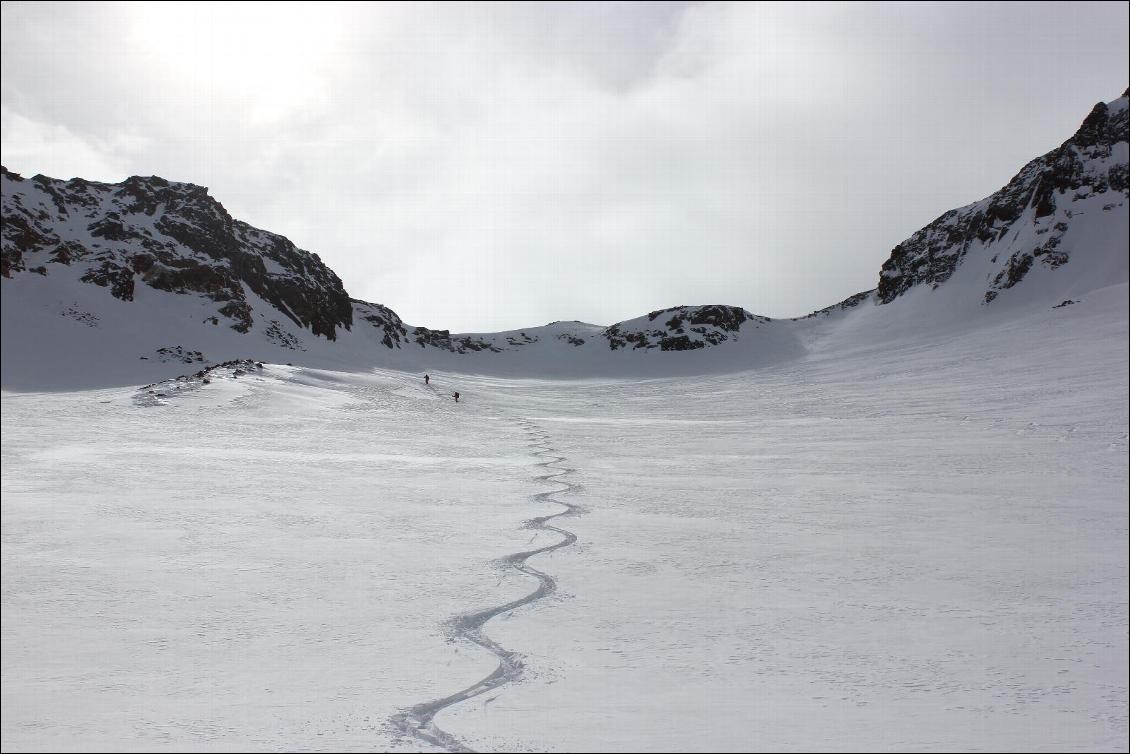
(158, 393)
(173, 237)
(168, 236)
(1021, 225)
(384, 320)
(848, 303)
(680, 328)
(444, 340)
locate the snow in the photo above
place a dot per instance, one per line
(894, 527)
(61, 334)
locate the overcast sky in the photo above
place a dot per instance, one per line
(493, 166)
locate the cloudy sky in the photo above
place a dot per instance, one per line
(493, 166)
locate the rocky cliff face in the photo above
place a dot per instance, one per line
(681, 328)
(1022, 225)
(168, 236)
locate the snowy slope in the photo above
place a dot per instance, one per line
(169, 237)
(898, 523)
(123, 278)
(132, 280)
(916, 545)
(1059, 226)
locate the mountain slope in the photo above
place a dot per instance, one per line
(169, 236)
(1055, 210)
(137, 278)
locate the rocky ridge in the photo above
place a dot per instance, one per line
(175, 238)
(1024, 223)
(681, 328)
(169, 236)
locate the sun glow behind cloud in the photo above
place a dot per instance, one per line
(266, 58)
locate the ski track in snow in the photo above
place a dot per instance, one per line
(919, 546)
(419, 721)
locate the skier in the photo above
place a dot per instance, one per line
(427, 379)
(457, 397)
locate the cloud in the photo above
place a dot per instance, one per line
(489, 166)
(53, 149)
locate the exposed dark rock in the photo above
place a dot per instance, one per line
(1018, 266)
(22, 234)
(1040, 195)
(147, 395)
(442, 339)
(179, 353)
(196, 278)
(727, 318)
(142, 263)
(276, 334)
(687, 328)
(111, 228)
(848, 303)
(393, 331)
(240, 313)
(680, 343)
(68, 252)
(177, 238)
(521, 339)
(87, 318)
(436, 338)
(468, 343)
(112, 275)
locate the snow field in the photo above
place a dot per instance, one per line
(912, 545)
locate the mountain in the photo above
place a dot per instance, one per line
(175, 238)
(171, 237)
(136, 279)
(1055, 211)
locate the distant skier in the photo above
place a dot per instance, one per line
(457, 397)
(427, 379)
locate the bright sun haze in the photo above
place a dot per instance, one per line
(482, 167)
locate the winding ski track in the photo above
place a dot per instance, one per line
(418, 721)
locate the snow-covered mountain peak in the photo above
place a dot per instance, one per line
(682, 328)
(146, 274)
(1068, 205)
(167, 236)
